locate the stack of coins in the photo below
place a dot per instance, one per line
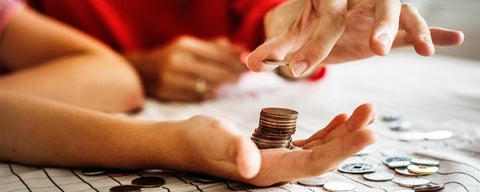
(275, 129)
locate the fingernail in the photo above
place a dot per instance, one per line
(373, 116)
(427, 39)
(384, 40)
(299, 68)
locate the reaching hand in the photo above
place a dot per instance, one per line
(189, 69)
(310, 33)
(222, 151)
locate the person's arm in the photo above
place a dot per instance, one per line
(51, 60)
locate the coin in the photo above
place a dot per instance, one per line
(357, 168)
(404, 171)
(149, 182)
(126, 188)
(389, 117)
(275, 62)
(422, 169)
(413, 182)
(438, 135)
(205, 178)
(395, 162)
(93, 171)
(378, 176)
(400, 125)
(411, 136)
(275, 129)
(314, 182)
(430, 162)
(430, 187)
(338, 186)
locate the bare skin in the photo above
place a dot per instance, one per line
(313, 33)
(51, 60)
(84, 138)
(189, 69)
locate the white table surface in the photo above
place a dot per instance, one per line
(432, 93)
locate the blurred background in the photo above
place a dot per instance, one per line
(463, 15)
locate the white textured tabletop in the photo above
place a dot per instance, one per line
(431, 93)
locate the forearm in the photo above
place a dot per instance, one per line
(37, 131)
(88, 80)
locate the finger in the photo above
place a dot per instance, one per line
(417, 30)
(360, 118)
(387, 14)
(440, 36)
(329, 28)
(206, 70)
(274, 48)
(336, 122)
(237, 53)
(184, 87)
(211, 51)
(339, 149)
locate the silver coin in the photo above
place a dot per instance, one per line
(400, 125)
(389, 117)
(429, 187)
(126, 188)
(314, 182)
(149, 182)
(338, 186)
(438, 135)
(422, 169)
(393, 159)
(414, 182)
(404, 171)
(430, 162)
(357, 168)
(398, 164)
(378, 176)
(411, 136)
(93, 171)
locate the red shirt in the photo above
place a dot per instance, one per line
(128, 25)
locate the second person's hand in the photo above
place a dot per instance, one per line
(189, 69)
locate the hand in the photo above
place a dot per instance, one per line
(222, 151)
(311, 33)
(189, 69)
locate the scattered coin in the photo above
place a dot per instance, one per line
(275, 62)
(93, 171)
(314, 182)
(338, 186)
(149, 182)
(400, 125)
(422, 169)
(438, 135)
(411, 136)
(431, 187)
(205, 178)
(276, 126)
(125, 188)
(389, 117)
(413, 182)
(395, 162)
(378, 176)
(430, 162)
(357, 168)
(404, 171)
(398, 164)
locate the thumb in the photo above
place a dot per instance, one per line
(272, 49)
(247, 157)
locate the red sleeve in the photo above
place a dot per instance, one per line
(249, 30)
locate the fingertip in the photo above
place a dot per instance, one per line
(362, 116)
(380, 43)
(248, 158)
